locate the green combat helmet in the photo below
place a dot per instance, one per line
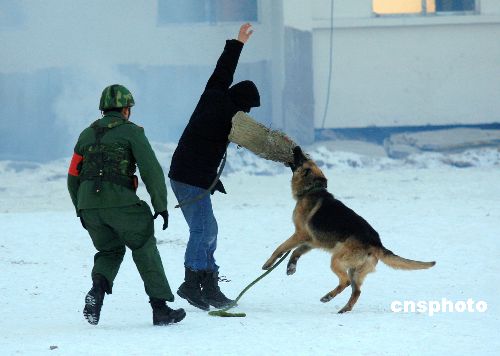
(115, 96)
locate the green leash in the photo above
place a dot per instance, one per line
(224, 312)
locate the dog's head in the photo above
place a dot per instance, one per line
(306, 174)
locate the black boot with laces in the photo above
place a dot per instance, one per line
(163, 314)
(95, 298)
(191, 289)
(211, 290)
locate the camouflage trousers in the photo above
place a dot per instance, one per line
(113, 229)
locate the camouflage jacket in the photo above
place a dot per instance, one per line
(129, 141)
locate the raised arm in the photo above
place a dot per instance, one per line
(245, 33)
(222, 77)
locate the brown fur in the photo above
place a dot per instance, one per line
(355, 252)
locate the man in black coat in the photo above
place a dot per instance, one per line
(194, 166)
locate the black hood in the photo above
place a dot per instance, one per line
(245, 95)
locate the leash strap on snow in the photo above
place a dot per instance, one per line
(201, 195)
(224, 312)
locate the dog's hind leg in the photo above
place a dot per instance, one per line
(356, 292)
(296, 254)
(344, 282)
(357, 276)
(294, 241)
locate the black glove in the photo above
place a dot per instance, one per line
(83, 223)
(164, 215)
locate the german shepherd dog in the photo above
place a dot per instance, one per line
(321, 221)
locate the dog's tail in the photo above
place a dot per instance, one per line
(394, 261)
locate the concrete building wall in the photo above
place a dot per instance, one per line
(406, 70)
(60, 33)
(58, 55)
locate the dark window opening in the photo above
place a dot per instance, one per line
(455, 5)
(206, 11)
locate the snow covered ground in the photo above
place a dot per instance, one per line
(429, 207)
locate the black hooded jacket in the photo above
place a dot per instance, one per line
(205, 138)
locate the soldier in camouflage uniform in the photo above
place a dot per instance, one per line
(102, 186)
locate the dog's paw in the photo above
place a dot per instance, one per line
(326, 298)
(267, 265)
(344, 310)
(290, 269)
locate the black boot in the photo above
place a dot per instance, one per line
(191, 290)
(211, 291)
(95, 298)
(163, 314)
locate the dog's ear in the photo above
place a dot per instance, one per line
(298, 157)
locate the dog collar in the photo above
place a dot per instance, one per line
(313, 189)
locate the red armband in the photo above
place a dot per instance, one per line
(73, 167)
(136, 182)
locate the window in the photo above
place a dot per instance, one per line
(208, 11)
(422, 7)
(455, 5)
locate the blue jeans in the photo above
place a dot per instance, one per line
(202, 227)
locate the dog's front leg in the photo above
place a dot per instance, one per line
(292, 263)
(295, 240)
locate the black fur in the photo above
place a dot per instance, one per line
(298, 156)
(334, 217)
